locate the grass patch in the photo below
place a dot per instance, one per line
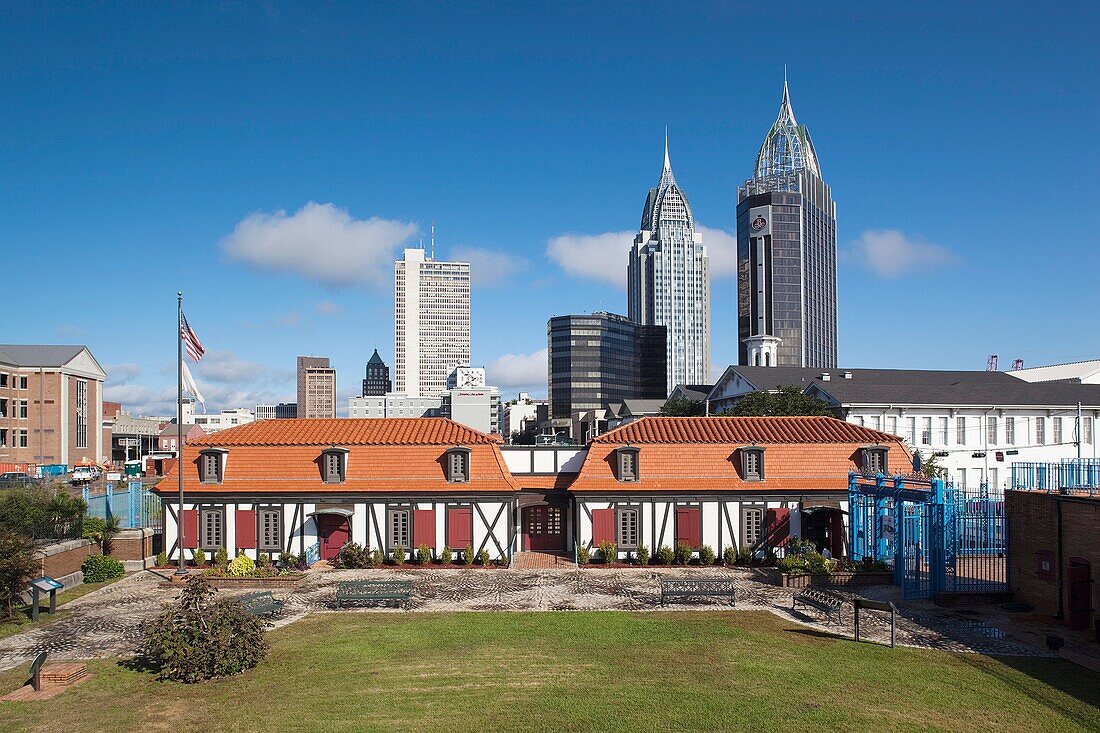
(602, 671)
(22, 620)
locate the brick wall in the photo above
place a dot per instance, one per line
(64, 558)
(1033, 545)
(133, 544)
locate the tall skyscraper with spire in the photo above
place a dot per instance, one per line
(668, 280)
(786, 253)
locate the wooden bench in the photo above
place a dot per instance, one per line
(351, 591)
(260, 603)
(830, 603)
(682, 588)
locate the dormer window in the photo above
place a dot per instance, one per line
(458, 465)
(627, 464)
(752, 463)
(875, 459)
(211, 466)
(334, 465)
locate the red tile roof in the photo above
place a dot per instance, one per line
(745, 430)
(350, 431)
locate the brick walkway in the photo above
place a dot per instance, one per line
(540, 561)
(106, 623)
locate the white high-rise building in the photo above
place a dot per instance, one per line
(669, 281)
(431, 322)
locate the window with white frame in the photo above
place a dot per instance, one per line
(3, 437)
(22, 382)
(911, 430)
(752, 526)
(1010, 430)
(627, 464)
(458, 466)
(1086, 430)
(874, 459)
(1056, 430)
(1041, 430)
(332, 466)
(943, 431)
(876, 422)
(960, 430)
(992, 478)
(270, 526)
(81, 413)
(210, 462)
(400, 528)
(21, 409)
(3, 408)
(892, 425)
(19, 439)
(211, 529)
(962, 478)
(991, 429)
(926, 431)
(628, 529)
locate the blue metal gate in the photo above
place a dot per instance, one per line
(133, 504)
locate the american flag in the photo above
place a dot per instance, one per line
(190, 340)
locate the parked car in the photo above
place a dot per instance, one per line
(15, 479)
(83, 475)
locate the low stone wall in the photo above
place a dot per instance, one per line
(834, 580)
(61, 560)
(136, 548)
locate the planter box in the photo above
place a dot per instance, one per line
(825, 580)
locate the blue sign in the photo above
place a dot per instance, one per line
(46, 584)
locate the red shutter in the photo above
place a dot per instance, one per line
(424, 527)
(689, 526)
(246, 529)
(460, 527)
(190, 529)
(779, 527)
(603, 526)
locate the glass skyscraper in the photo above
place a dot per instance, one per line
(786, 254)
(669, 281)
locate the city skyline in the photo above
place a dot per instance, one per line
(204, 166)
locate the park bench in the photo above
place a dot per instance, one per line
(682, 588)
(830, 603)
(260, 603)
(351, 591)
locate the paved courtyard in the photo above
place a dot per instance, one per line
(106, 623)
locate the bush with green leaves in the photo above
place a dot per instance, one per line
(242, 566)
(446, 555)
(92, 528)
(398, 555)
(288, 559)
(729, 555)
(352, 556)
(817, 563)
(797, 546)
(641, 555)
(263, 560)
(706, 555)
(200, 558)
(467, 555)
(18, 565)
(482, 558)
(162, 559)
(583, 555)
(792, 564)
(200, 637)
(608, 552)
(377, 557)
(221, 558)
(745, 556)
(100, 568)
(423, 554)
(42, 512)
(665, 555)
(683, 553)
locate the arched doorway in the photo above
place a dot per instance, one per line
(333, 531)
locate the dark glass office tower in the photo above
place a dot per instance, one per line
(602, 358)
(377, 382)
(786, 254)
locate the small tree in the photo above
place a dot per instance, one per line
(18, 564)
(683, 407)
(783, 401)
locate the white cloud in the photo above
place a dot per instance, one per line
(889, 253)
(518, 370)
(604, 256)
(121, 373)
(327, 308)
(225, 367)
(488, 266)
(596, 256)
(321, 243)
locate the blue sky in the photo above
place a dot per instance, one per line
(150, 148)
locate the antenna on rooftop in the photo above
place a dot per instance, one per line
(991, 364)
(1017, 364)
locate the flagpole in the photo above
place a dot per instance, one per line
(181, 570)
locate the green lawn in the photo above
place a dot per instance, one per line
(22, 620)
(607, 671)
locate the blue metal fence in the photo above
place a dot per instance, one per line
(1071, 475)
(134, 505)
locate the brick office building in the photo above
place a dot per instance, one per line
(51, 405)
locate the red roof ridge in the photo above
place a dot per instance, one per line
(348, 431)
(730, 429)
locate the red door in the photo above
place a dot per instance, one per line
(544, 528)
(1080, 595)
(334, 532)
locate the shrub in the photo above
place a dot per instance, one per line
(770, 558)
(199, 638)
(99, 568)
(288, 559)
(352, 556)
(42, 512)
(447, 555)
(200, 558)
(377, 557)
(792, 564)
(706, 555)
(92, 528)
(796, 546)
(161, 560)
(583, 555)
(642, 555)
(729, 556)
(241, 566)
(608, 552)
(665, 555)
(482, 558)
(683, 553)
(467, 555)
(18, 564)
(423, 555)
(816, 563)
(398, 555)
(502, 561)
(221, 558)
(745, 556)
(263, 560)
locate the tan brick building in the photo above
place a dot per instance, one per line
(51, 405)
(316, 387)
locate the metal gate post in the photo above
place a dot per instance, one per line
(107, 500)
(855, 519)
(900, 538)
(939, 537)
(880, 548)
